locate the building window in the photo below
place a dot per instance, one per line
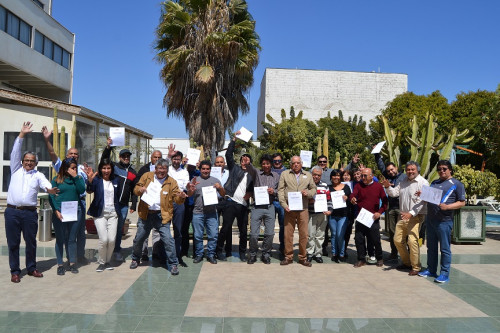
(33, 142)
(14, 26)
(51, 50)
(6, 175)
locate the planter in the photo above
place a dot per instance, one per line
(469, 225)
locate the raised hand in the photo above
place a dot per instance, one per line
(46, 133)
(171, 150)
(26, 129)
(72, 172)
(356, 158)
(109, 141)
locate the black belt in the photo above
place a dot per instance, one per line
(31, 208)
(154, 211)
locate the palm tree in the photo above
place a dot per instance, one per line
(209, 50)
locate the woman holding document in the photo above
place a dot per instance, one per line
(337, 221)
(104, 209)
(65, 207)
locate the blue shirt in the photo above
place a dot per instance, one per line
(453, 191)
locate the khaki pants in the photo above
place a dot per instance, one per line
(317, 227)
(409, 229)
(301, 219)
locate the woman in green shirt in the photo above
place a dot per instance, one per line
(71, 186)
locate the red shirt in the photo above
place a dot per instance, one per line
(369, 196)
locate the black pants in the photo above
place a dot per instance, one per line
(188, 217)
(231, 211)
(348, 232)
(372, 236)
(17, 222)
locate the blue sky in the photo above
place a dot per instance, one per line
(451, 46)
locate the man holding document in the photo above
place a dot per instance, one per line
(412, 214)
(265, 191)
(295, 188)
(158, 193)
(367, 195)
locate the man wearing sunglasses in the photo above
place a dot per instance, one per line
(440, 221)
(323, 164)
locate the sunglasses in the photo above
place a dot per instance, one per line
(442, 169)
(321, 162)
(276, 161)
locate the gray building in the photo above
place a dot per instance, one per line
(316, 92)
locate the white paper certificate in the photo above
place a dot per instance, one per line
(378, 147)
(431, 194)
(152, 194)
(193, 156)
(365, 217)
(245, 134)
(261, 195)
(338, 200)
(209, 195)
(216, 172)
(69, 211)
(295, 201)
(320, 204)
(306, 157)
(152, 167)
(117, 134)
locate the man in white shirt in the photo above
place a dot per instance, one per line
(412, 214)
(21, 214)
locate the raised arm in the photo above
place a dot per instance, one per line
(46, 136)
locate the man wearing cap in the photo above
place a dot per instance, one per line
(125, 170)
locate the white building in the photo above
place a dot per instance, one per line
(36, 76)
(316, 92)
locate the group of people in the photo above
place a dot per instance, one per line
(172, 192)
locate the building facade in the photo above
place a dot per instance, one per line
(317, 92)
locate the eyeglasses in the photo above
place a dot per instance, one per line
(30, 161)
(442, 169)
(364, 176)
(277, 161)
(321, 162)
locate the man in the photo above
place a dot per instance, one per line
(125, 170)
(188, 213)
(440, 221)
(156, 211)
(238, 190)
(391, 173)
(263, 212)
(318, 220)
(411, 216)
(221, 163)
(368, 195)
(279, 168)
(323, 164)
(205, 215)
(81, 237)
(298, 181)
(21, 214)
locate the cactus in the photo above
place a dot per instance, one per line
(55, 138)
(318, 150)
(73, 135)
(62, 144)
(392, 141)
(335, 164)
(325, 144)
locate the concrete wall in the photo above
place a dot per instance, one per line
(316, 92)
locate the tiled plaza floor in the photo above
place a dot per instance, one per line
(235, 297)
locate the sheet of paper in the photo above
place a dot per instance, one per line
(378, 147)
(193, 156)
(69, 211)
(320, 203)
(152, 194)
(338, 200)
(295, 201)
(209, 195)
(245, 134)
(216, 172)
(365, 217)
(117, 134)
(306, 157)
(431, 194)
(261, 195)
(152, 167)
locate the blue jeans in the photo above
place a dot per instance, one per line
(66, 233)
(211, 223)
(439, 231)
(144, 228)
(281, 221)
(122, 216)
(337, 228)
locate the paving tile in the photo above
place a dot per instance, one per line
(369, 325)
(70, 322)
(6, 317)
(447, 325)
(38, 320)
(408, 325)
(327, 325)
(202, 325)
(482, 324)
(116, 323)
(167, 309)
(130, 307)
(159, 324)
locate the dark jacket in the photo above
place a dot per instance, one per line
(97, 187)
(393, 201)
(130, 179)
(236, 173)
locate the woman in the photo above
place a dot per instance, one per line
(70, 186)
(347, 179)
(104, 209)
(337, 220)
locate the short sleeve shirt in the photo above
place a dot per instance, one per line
(198, 195)
(453, 191)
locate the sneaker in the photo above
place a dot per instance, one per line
(372, 260)
(73, 269)
(174, 270)
(197, 259)
(100, 268)
(61, 270)
(134, 264)
(442, 278)
(108, 267)
(426, 273)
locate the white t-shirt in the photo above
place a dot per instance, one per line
(109, 196)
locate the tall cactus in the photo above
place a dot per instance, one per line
(73, 135)
(325, 144)
(392, 141)
(336, 163)
(55, 138)
(62, 144)
(318, 149)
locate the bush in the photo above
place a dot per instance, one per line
(477, 183)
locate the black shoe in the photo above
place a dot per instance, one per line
(61, 270)
(144, 257)
(325, 252)
(134, 264)
(318, 259)
(309, 257)
(343, 259)
(243, 256)
(83, 261)
(211, 260)
(221, 256)
(335, 259)
(73, 269)
(251, 259)
(266, 260)
(182, 263)
(197, 260)
(99, 268)
(108, 267)
(229, 254)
